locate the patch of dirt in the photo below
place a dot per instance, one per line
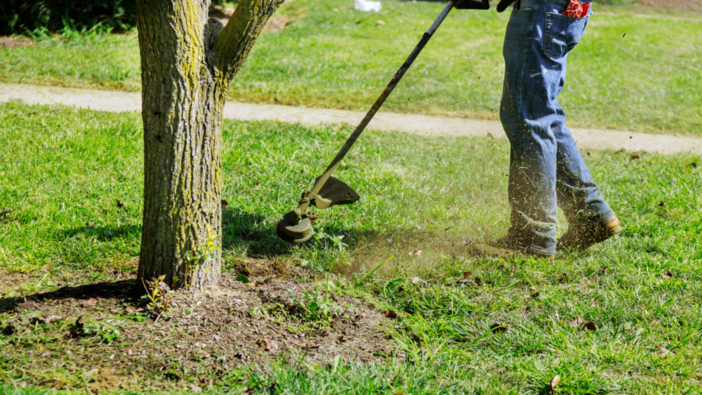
(677, 5)
(275, 24)
(15, 42)
(96, 330)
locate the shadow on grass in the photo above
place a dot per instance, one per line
(105, 233)
(106, 290)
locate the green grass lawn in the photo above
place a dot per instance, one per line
(62, 171)
(631, 71)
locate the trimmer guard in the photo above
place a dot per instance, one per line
(335, 192)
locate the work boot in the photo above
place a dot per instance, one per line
(583, 236)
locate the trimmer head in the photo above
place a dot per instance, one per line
(296, 234)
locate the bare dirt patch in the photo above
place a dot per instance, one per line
(677, 5)
(15, 42)
(95, 337)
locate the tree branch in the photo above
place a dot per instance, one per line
(240, 34)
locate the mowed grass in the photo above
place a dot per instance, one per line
(62, 168)
(630, 71)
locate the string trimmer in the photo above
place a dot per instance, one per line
(296, 227)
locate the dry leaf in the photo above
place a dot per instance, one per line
(662, 350)
(417, 280)
(576, 322)
(119, 203)
(661, 204)
(499, 327)
(225, 203)
(53, 318)
(381, 23)
(312, 216)
(415, 253)
(478, 281)
(590, 326)
(554, 382)
(8, 211)
(635, 157)
(666, 274)
(467, 274)
(467, 241)
(390, 314)
(603, 269)
(535, 295)
(92, 302)
(461, 256)
(269, 345)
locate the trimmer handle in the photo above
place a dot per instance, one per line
(471, 4)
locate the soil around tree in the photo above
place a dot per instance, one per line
(97, 332)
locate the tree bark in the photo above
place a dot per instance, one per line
(187, 63)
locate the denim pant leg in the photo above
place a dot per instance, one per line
(543, 152)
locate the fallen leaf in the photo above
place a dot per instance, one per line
(666, 274)
(590, 326)
(461, 256)
(661, 204)
(662, 350)
(381, 23)
(269, 345)
(467, 241)
(225, 203)
(603, 269)
(390, 314)
(119, 203)
(90, 224)
(624, 35)
(535, 295)
(499, 327)
(303, 171)
(467, 274)
(635, 157)
(554, 382)
(415, 253)
(478, 281)
(576, 322)
(312, 216)
(417, 280)
(8, 211)
(92, 302)
(447, 229)
(53, 318)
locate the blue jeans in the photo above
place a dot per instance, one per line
(546, 168)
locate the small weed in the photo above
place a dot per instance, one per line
(195, 262)
(103, 332)
(158, 295)
(316, 306)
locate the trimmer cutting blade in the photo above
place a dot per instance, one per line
(296, 227)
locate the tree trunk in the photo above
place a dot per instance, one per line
(187, 64)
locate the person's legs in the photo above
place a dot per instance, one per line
(536, 46)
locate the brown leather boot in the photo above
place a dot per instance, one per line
(583, 236)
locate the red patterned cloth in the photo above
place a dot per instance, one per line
(576, 9)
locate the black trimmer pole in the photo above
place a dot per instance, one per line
(295, 227)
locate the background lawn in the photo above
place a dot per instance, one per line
(62, 171)
(631, 71)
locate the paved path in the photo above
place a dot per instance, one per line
(426, 125)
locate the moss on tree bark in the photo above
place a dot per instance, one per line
(187, 64)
